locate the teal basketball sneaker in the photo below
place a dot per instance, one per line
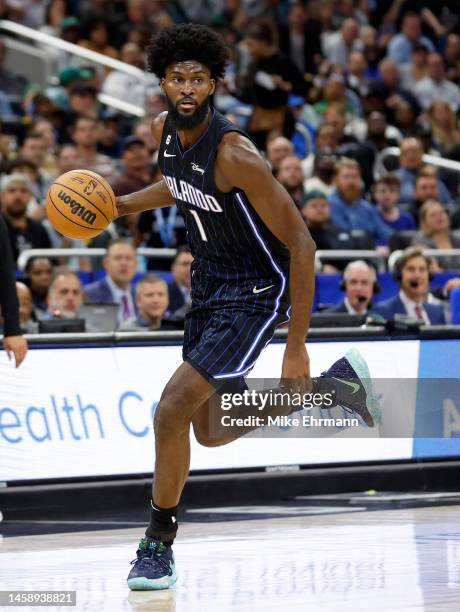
(349, 382)
(153, 568)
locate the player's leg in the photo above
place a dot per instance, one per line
(185, 392)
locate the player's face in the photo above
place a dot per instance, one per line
(121, 263)
(188, 86)
(152, 300)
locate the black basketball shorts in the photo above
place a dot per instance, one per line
(229, 324)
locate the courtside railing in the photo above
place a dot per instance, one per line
(434, 160)
(17, 29)
(321, 256)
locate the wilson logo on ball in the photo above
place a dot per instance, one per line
(76, 208)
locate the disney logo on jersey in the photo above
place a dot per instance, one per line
(197, 168)
(181, 190)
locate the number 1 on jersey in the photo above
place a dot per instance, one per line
(200, 225)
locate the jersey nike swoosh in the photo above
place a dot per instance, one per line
(354, 386)
(255, 290)
(168, 154)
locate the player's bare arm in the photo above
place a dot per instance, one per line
(153, 196)
(278, 212)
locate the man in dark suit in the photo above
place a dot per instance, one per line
(359, 283)
(179, 287)
(120, 263)
(412, 272)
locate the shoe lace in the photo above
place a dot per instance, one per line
(152, 557)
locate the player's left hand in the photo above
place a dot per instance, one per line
(16, 345)
(295, 375)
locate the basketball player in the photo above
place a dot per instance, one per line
(252, 270)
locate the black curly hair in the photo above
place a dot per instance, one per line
(189, 41)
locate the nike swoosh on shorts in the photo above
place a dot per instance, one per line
(255, 290)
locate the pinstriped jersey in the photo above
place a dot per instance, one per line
(228, 239)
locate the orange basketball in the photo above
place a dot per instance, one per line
(80, 204)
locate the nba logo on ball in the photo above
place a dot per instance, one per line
(80, 204)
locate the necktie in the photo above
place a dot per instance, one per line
(419, 312)
(125, 311)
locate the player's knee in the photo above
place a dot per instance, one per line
(169, 418)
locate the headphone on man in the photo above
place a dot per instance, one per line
(408, 254)
(376, 288)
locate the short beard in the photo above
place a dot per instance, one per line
(188, 123)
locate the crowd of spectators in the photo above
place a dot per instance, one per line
(322, 86)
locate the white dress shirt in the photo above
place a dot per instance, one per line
(410, 307)
(117, 294)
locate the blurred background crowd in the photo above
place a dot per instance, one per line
(324, 88)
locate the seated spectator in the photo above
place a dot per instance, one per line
(84, 136)
(415, 70)
(410, 164)
(39, 271)
(401, 45)
(444, 126)
(128, 87)
(338, 45)
(359, 283)
(25, 233)
(326, 136)
(67, 159)
(120, 264)
(277, 149)
(27, 318)
(291, 177)
(135, 175)
(386, 196)
(180, 287)
(391, 89)
(34, 148)
(325, 233)
(143, 130)
(65, 296)
(435, 234)
(323, 175)
(110, 142)
(152, 303)
(427, 186)
(83, 100)
(349, 209)
(412, 273)
(97, 39)
(435, 86)
(452, 56)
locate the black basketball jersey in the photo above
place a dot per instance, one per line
(227, 237)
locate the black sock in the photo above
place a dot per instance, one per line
(163, 523)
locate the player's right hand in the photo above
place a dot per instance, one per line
(17, 346)
(295, 374)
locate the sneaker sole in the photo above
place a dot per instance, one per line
(358, 363)
(149, 584)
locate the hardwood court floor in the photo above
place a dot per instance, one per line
(382, 561)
